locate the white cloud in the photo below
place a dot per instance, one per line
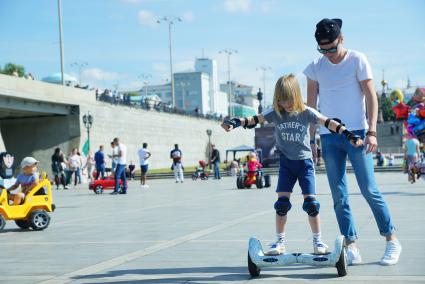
(97, 76)
(234, 6)
(132, 86)
(266, 6)
(247, 6)
(188, 16)
(147, 18)
(400, 84)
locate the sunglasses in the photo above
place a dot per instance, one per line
(328, 50)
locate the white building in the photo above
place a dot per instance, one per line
(242, 94)
(192, 91)
(162, 91)
(209, 66)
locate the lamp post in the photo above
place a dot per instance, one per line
(145, 78)
(88, 123)
(229, 52)
(264, 69)
(170, 20)
(80, 66)
(61, 40)
(260, 98)
(209, 133)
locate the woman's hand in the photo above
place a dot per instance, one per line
(371, 143)
(359, 142)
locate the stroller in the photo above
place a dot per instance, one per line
(200, 172)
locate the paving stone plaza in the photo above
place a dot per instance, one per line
(198, 231)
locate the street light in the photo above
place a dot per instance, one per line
(264, 69)
(61, 40)
(170, 20)
(88, 123)
(229, 52)
(145, 78)
(209, 132)
(80, 66)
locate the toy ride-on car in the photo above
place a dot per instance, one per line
(246, 180)
(33, 212)
(201, 172)
(107, 183)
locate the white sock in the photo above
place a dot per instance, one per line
(317, 237)
(280, 236)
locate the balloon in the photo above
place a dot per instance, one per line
(397, 95)
(421, 113)
(401, 110)
(419, 95)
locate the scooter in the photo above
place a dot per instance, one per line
(257, 260)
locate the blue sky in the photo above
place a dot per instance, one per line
(121, 40)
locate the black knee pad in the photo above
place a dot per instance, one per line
(282, 205)
(311, 206)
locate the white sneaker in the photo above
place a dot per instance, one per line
(392, 253)
(146, 186)
(353, 255)
(277, 248)
(320, 247)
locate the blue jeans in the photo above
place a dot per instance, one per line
(217, 170)
(100, 171)
(335, 149)
(120, 174)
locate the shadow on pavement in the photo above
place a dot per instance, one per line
(394, 193)
(230, 274)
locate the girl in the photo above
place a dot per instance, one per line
(291, 120)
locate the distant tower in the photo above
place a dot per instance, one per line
(209, 66)
(408, 82)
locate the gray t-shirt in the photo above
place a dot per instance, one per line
(291, 131)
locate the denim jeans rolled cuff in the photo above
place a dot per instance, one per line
(335, 151)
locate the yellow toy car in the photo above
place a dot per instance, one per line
(33, 212)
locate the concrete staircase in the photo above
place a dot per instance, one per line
(387, 142)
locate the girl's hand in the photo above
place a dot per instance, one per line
(226, 126)
(229, 124)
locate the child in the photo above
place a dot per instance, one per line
(291, 119)
(253, 165)
(27, 179)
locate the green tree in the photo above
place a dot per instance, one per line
(9, 68)
(387, 110)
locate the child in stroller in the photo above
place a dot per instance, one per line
(200, 171)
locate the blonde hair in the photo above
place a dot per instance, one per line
(287, 89)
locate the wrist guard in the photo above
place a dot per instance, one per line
(350, 136)
(234, 122)
(251, 126)
(340, 124)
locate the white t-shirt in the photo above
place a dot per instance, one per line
(74, 162)
(340, 94)
(143, 154)
(123, 149)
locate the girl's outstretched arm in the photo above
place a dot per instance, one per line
(245, 122)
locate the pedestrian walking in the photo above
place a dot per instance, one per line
(99, 158)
